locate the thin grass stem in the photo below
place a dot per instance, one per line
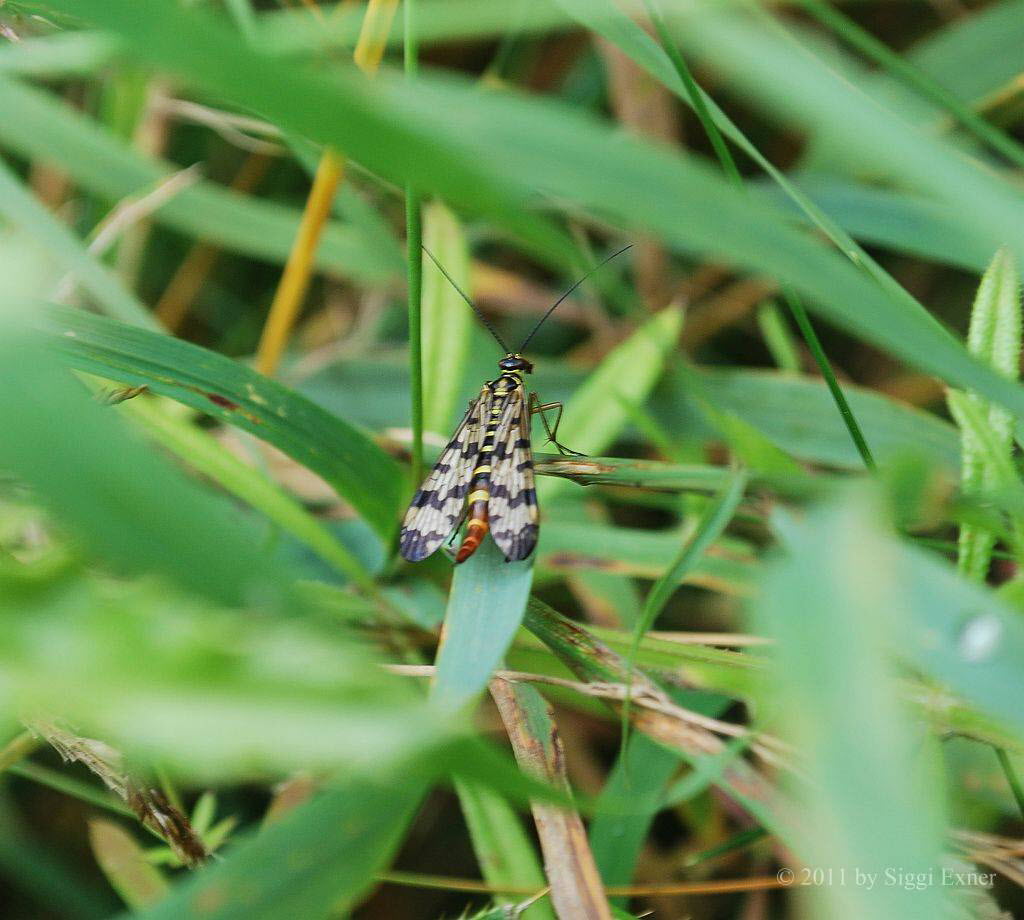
(1011, 778)
(414, 266)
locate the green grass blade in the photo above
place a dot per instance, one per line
(39, 126)
(63, 54)
(414, 263)
(1008, 490)
(916, 79)
(124, 863)
(205, 455)
(244, 17)
(994, 337)
(597, 411)
(708, 529)
(616, 837)
(211, 692)
(127, 504)
(976, 55)
(904, 222)
(750, 447)
(23, 210)
(609, 21)
(485, 608)
(796, 307)
(504, 851)
(569, 547)
(591, 660)
(711, 526)
(777, 338)
(485, 152)
(827, 93)
(794, 413)
(354, 466)
(797, 415)
(868, 804)
(447, 320)
(960, 634)
(295, 32)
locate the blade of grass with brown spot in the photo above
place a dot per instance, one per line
(576, 890)
(344, 456)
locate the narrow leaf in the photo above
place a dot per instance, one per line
(995, 338)
(575, 883)
(485, 608)
(503, 850)
(361, 472)
(125, 865)
(447, 319)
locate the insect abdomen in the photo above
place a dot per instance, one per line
(480, 489)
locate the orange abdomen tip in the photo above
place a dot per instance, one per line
(475, 534)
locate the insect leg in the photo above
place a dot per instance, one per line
(537, 408)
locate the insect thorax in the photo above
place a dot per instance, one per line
(506, 383)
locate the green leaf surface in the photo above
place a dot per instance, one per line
(24, 211)
(447, 319)
(902, 222)
(207, 691)
(978, 54)
(204, 454)
(596, 413)
(124, 864)
(485, 608)
(294, 31)
(593, 661)
(964, 636)
(824, 92)
(127, 504)
(485, 151)
(707, 529)
(614, 25)
(504, 851)
(616, 836)
(63, 54)
(796, 413)
(569, 547)
(39, 126)
(867, 804)
(346, 458)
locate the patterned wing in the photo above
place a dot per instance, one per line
(437, 506)
(513, 504)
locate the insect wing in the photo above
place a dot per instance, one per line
(513, 502)
(437, 506)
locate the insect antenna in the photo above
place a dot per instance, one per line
(552, 308)
(466, 298)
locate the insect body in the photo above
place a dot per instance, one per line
(485, 472)
(486, 467)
